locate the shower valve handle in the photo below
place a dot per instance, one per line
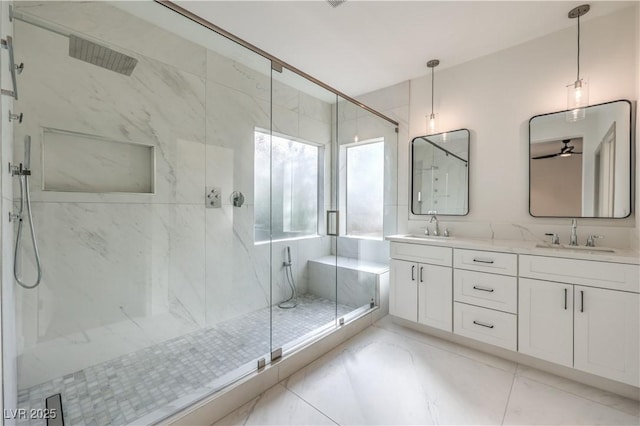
(19, 170)
(18, 117)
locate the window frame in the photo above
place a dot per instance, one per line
(343, 186)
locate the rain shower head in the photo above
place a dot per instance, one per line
(84, 49)
(335, 3)
(101, 56)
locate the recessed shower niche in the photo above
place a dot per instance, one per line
(78, 162)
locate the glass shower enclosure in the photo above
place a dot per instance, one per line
(197, 208)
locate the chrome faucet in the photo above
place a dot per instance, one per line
(436, 230)
(591, 240)
(555, 239)
(573, 239)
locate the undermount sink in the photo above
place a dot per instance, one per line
(576, 248)
(428, 237)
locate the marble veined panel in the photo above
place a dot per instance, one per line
(234, 272)
(101, 263)
(232, 118)
(253, 81)
(157, 105)
(284, 95)
(220, 169)
(187, 262)
(315, 108)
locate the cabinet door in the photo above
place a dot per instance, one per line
(606, 333)
(435, 296)
(403, 292)
(545, 320)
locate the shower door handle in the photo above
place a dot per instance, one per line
(333, 223)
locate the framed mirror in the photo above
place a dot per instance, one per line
(440, 174)
(581, 168)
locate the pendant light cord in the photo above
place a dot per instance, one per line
(432, 79)
(578, 76)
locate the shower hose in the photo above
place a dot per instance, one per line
(292, 301)
(25, 200)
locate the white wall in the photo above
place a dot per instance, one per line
(494, 97)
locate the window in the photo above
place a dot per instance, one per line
(365, 188)
(286, 187)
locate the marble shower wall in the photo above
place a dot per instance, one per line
(114, 261)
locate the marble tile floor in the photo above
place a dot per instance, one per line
(390, 375)
(121, 390)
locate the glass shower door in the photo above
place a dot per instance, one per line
(303, 279)
(153, 293)
(366, 156)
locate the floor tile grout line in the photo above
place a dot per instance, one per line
(253, 407)
(451, 351)
(506, 407)
(310, 404)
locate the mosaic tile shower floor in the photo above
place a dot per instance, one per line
(121, 390)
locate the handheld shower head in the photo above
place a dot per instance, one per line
(27, 152)
(288, 255)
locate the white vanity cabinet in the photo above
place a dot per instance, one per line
(421, 284)
(586, 327)
(581, 313)
(485, 296)
(546, 320)
(606, 333)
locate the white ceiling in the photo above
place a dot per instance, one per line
(361, 45)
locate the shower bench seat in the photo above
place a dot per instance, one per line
(359, 282)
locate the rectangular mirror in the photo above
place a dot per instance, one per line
(581, 168)
(440, 174)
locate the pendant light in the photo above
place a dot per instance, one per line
(578, 91)
(432, 120)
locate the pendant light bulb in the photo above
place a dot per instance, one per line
(578, 91)
(432, 119)
(432, 124)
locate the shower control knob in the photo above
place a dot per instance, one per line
(13, 116)
(213, 197)
(20, 68)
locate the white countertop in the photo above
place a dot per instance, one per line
(522, 247)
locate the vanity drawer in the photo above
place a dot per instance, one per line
(422, 253)
(487, 290)
(615, 276)
(485, 325)
(486, 261)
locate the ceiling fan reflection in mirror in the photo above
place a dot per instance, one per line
(566, 151)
